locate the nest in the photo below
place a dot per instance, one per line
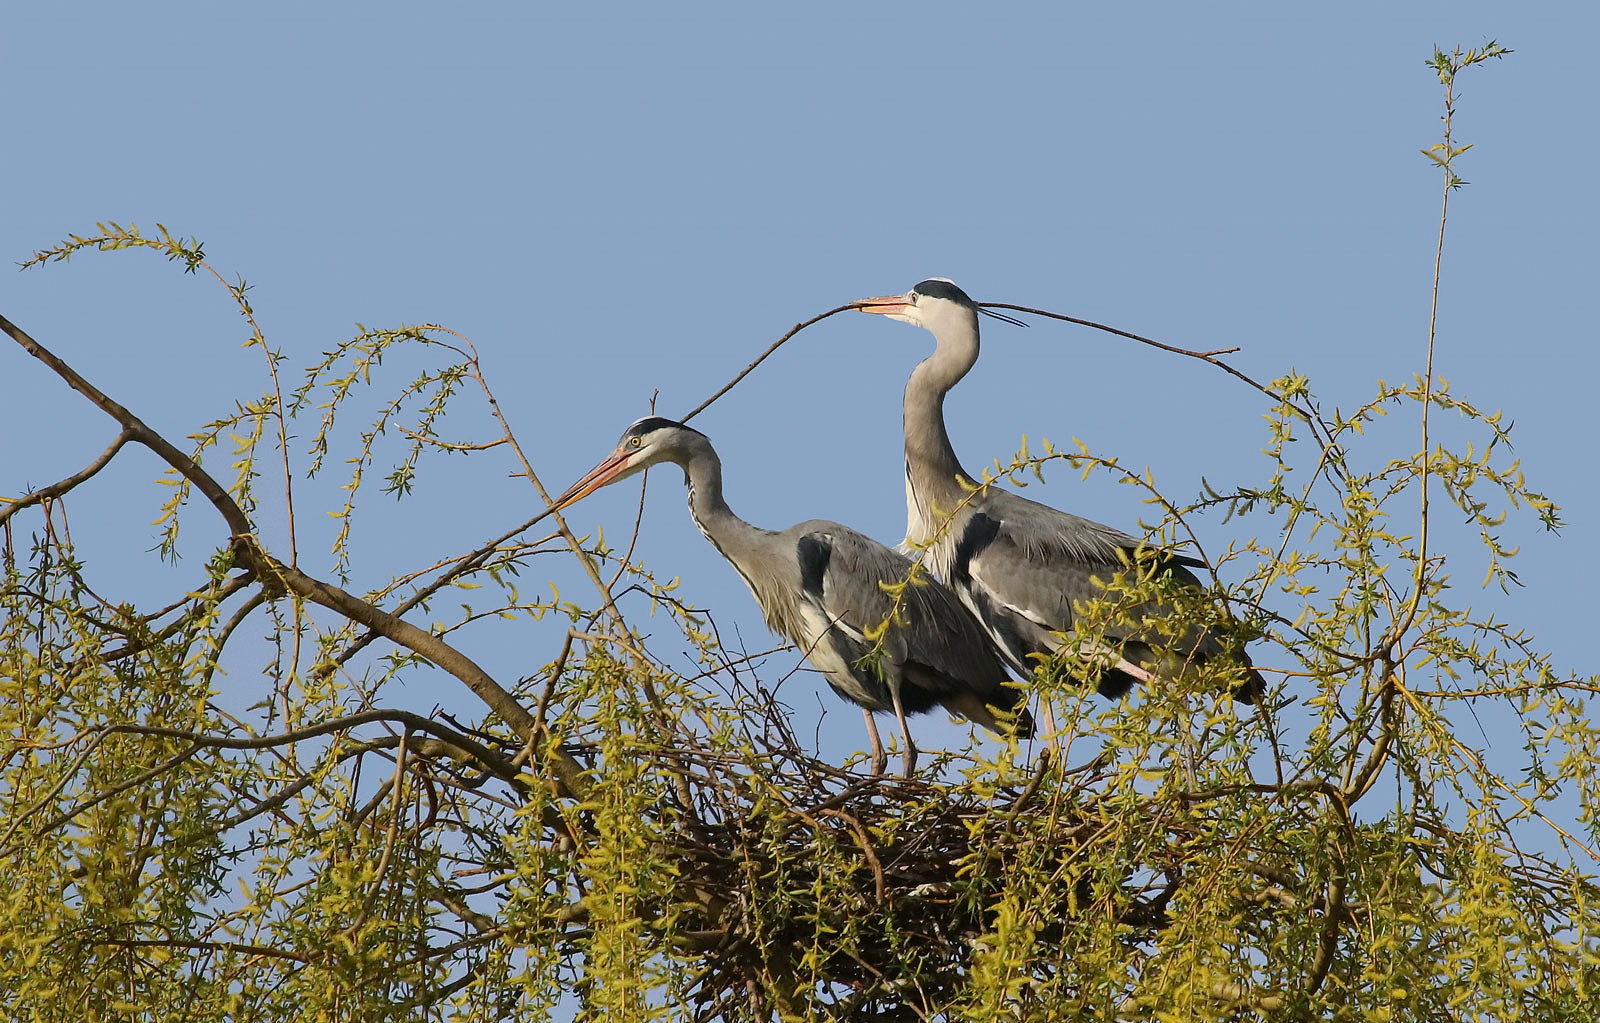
(872, 895)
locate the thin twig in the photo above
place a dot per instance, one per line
(205, 946)
(398, 786)
(797, 328)
(1306, 414)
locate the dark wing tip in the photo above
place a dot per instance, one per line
(1022, 724)
(1114, 684)
(1253, 688)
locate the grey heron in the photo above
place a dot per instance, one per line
(823, 586)
(1018, 565)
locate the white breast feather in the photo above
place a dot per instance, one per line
(814, 643)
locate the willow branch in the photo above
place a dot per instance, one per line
(464, 745)
(231, 626)
(229, 587)
(60, 487)
(568, 772)
(238, 948)
(238, 522)
(463, 566)
(100, 797)
(270, 571)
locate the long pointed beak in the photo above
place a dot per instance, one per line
(610, 467)
(889, 304)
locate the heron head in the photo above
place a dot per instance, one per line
(933, 304)
(928, 304)
(648, 441)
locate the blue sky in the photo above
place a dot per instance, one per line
(615, 199)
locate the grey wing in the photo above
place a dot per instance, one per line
(1047, 534)
(935, 642)
(1022, 567)
(839, 576)
(1032, 564)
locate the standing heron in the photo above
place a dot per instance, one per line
(822, 585)
(1018, 565)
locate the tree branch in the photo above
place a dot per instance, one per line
(238, 522)
(269, 571)
(205, 946)
(60, 487)
(797, 328)
(1306, 414)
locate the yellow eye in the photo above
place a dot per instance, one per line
(633, 442)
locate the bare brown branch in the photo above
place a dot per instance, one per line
(64, 486)
(797, 328)
(273, 574)
(227, 507)
(1306, 414)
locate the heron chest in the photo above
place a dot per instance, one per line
(930, 532)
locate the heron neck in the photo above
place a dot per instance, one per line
(728, 533)
(930, 458)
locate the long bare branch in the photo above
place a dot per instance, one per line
(60, 487)
(464, 745)
(797, 328)
(271, 572)
(238, 522)
(1306, 414)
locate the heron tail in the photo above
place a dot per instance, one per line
(1003, 714)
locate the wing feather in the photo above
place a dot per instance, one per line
(1023, 568)
(932, 641)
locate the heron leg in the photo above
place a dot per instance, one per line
(880, 759)
(905, 729)
(1047, 718)
(1127, 667)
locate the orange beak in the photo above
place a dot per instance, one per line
(886, 304)
(610, 467)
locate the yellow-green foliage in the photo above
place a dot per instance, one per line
(194, 829)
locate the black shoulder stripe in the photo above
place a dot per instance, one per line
(979, 534)
(814, 552)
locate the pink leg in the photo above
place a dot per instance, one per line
(880, 759)
(1047, 718)
(905, 730)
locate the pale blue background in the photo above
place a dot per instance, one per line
(616, 198)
